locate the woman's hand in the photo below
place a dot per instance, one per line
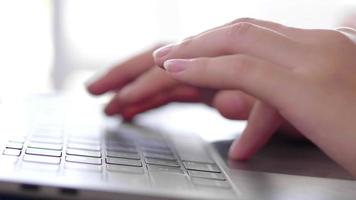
(140, 86)
(306, 77)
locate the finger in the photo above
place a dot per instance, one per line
(242, 38)
(262, 124)
(233, 104)
(113, 107)
(349, 32)
(253, 76)
(130, 111)
(123, 73)
(148, 84)
(290, 132)
(179, 93)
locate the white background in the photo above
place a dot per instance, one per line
(98, 33)
(95, 34)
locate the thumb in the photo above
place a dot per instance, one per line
(263, 121)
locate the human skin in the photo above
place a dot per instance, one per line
(306, 77)
(263, 71)
(130, 80)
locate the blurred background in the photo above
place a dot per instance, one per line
(50, 45)
(57, 45)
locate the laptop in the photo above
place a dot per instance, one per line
(55, 149)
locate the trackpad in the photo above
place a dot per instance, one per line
(288, 157)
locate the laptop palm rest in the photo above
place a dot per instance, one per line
(287, 157)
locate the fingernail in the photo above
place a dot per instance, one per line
(159, 53)
(175, 65)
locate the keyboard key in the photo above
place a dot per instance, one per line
(12, 152)
(95, 154)
(82, 166)
(157, 151)
(18, 139)
(159, 156)
(121, 148)
(123, 161)
(89, 147)
(208, 175)
(46, 169)
(81, 159)
(170, 180)
(192, 149)
(128, 179)
(8, 161)
(14, 145)
(165, 169)
(78, 133)
(75, 175)
(114, 154)
(201, 166)
(210, 183)
(153, 144)
(120, 143)
(84, 141)
(42, 159)
(113, 143)
(43, 152)
(154, 161)
(124, 168)
(45, 146)
(48, 134)
(46, 140)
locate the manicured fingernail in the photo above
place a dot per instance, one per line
(175, 65)
(159, 53)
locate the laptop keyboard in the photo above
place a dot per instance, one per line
(118, 152)
(123, 151)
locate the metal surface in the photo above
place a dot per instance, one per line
(286, 170)
(282, 170)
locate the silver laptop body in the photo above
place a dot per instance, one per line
(52, 148)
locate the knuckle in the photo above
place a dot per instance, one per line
(335, 37)
(333, 41)
(237, 34)
(239, 29)
(346, 31)
(186, 42)
(243, 19)
(339, 37)
(280, 27)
